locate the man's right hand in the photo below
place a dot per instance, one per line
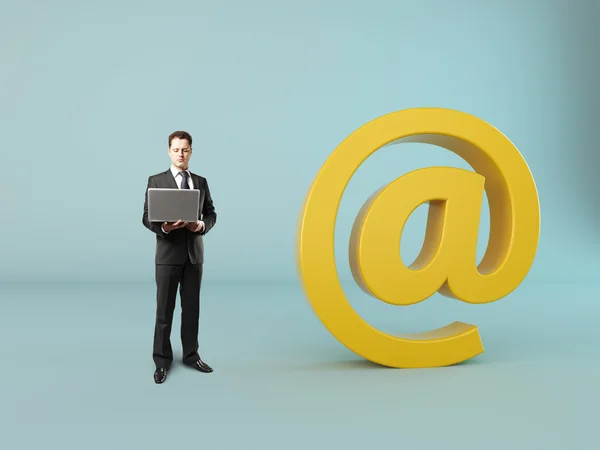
(170, 226)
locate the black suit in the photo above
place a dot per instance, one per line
(179, 259)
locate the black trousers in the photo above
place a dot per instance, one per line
(188, 277)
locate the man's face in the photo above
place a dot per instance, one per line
(180, 153)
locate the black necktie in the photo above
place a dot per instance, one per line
(184, 182)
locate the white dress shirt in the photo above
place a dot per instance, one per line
(178, 179)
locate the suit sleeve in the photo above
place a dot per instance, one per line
(209, 215)
(152, 226)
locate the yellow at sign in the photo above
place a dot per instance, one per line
(447, 262)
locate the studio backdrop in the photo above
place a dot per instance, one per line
(90, 92)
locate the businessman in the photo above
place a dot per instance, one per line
(179, 260)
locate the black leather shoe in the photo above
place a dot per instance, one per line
(160, 375)
(200, 366)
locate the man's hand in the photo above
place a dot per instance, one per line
(170, 226)
(194, 227)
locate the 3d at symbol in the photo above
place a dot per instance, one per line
(447, 261)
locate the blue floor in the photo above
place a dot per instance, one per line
(77, 373)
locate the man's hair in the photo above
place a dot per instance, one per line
(180, 135)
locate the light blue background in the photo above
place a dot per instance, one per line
(89, 92)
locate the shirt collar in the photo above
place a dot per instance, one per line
(175, 171)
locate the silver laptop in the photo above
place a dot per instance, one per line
(171, 205)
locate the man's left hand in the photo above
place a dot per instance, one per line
(195, 227)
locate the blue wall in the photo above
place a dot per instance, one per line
(90, 92)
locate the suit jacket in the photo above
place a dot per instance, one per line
(175, 246)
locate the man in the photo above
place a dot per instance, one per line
(179, 260)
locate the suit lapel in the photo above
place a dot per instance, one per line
(170, 180)
(196, 181)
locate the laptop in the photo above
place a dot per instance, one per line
(171, 205)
